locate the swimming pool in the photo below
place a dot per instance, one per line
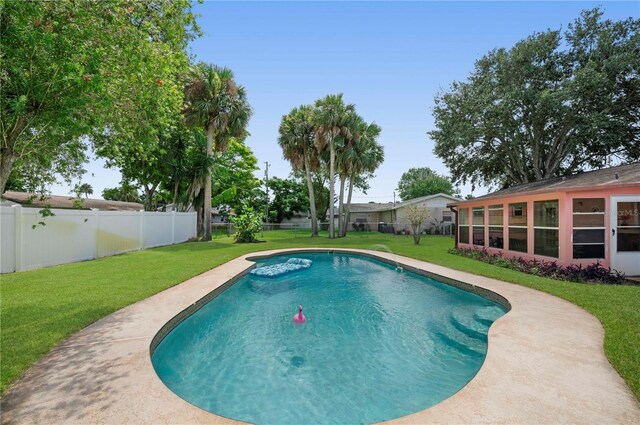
(378, 343)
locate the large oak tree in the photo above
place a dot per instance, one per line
(554, 104)
(423, 181)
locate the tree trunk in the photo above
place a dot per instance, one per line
(416, 235)
(312, 200)
(176, 186)
(206, 220)
(149, 191)
(6, 164)
(7, 152)
(343, 179)
(332, 160)
(347, 214)
(199, 220)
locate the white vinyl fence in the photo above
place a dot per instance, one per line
(76, 235)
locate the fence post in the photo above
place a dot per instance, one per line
(173, 227)
(17, 237)
(141, 229)
(195, 224)
(96, 231)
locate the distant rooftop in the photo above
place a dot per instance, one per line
(622, 175)
(379, 206)
(56, 201)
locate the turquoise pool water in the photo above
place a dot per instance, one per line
(377, 344)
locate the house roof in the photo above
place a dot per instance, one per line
(622, 175)
(55, 201)
(370, 207)
(378, 206)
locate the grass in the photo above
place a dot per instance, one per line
(42, 307)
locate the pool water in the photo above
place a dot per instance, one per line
(377, 344)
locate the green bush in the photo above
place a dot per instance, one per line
(247, 224)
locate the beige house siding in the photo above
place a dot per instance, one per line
(437, 218)
(370, 215)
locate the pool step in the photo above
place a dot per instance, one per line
(462, 342)
(470, 326)
(487, 315)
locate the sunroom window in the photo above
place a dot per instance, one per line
(588, 228)
(478, 226)
(496, 226)
(545, 228)
(518, 227)
(463, 225)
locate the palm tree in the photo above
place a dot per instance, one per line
(83, 189)
(297, 142)
(217, 104)
(363, 157)
(345, 157)
(331, 121)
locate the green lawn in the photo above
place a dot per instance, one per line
(42, 307)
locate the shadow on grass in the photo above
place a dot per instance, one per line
(83, 378)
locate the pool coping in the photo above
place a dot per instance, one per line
(545, 362)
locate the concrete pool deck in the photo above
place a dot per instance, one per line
(545, 364)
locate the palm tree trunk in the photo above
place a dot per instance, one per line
(176, 185)
(206, 220)
(312, 200)
(332, 160)
(198, 207)
(343, 178)
(348, 207)
(199, 220)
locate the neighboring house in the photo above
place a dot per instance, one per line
(217, 216)
(69, 202)
(393, 218)
(579, 219)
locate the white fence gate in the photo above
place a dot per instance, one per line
(76, 235)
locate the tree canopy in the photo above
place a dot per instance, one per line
(104, 69)
(125, 192)
(417, 182)
(289, 196)
(297, 136)
(553, 104)
(233, 183)
(83, 189)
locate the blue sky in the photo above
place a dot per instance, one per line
(388, 58)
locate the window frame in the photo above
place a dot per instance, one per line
(496, 207)
(575, 228)
(556, 228)
(460, 225)
(523, 213)
(478, 226)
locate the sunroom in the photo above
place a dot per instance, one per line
(581, 219)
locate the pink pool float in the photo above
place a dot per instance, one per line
(299, 317)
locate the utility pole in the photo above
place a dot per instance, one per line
(266, 183)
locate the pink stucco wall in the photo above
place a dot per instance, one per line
(565, 221)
